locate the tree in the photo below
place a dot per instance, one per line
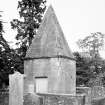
(3, 42)
(4, 48)
(9, 59)
(92, 45)
(31, 13)
(83, 72)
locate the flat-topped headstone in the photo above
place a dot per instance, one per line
(16, 89)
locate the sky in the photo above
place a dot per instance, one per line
(78, 18)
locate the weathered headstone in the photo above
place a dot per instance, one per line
(16, 89)
(49, 56)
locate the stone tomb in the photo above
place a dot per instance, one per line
(49, 56)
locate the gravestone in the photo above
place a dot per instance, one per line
(16, 89)
(49, 56)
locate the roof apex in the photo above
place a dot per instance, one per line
(49, 41)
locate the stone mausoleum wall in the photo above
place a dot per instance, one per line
(61, 74)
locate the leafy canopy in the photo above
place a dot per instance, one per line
(92, 44)
(31, 13)
(91, 69)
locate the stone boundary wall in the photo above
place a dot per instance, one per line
(98, 92)
(62, 99)
(4, 97)
(94, 94)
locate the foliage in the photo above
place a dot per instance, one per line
(93, 63)
(86, 74)
(31, 13)
(92, 44)
(3, 42)
(3, 47)
(83, 72)
(9, 59)
(9, 62)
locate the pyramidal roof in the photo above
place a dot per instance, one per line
(49, 41)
